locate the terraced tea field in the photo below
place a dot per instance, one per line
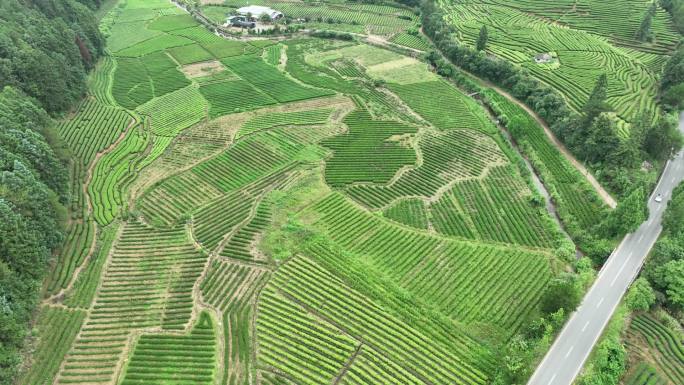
(658, 349)
(290, 212)
(587, 38)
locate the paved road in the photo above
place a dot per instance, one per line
(572, 347)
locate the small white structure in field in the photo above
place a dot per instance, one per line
(543, 58)
(256, 11)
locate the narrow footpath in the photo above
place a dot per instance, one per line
(605, 196)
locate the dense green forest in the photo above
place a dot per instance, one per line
(46, 49)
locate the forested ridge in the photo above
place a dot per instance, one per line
(46, 49)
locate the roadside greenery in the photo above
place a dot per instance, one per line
(664, 269)
(607, 362)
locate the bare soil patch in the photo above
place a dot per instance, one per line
(205, 68)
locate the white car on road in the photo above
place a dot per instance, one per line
(658, 198)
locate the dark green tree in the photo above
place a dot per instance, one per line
(596, 104)
(644, 32)
(673, 276)
(662, 138)
(629, 213)
(676, 9)
(640, 296)
(674, 97)
(45, 49)
(482, 39)
(601, 139)
(672, 81)
(562, 293)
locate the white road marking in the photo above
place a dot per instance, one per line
(620, 271)
(600, 302)
(650, 221)
(585, 326)
(552, 378)
(569, 351)
(641, 237)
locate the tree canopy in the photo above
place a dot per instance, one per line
(482, 39)
(46, 47)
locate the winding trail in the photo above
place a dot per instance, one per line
(605, 196)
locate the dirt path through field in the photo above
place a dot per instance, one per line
(605, 196)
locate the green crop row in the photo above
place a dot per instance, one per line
(366, 152)
(147, 283)
(412, 41)
(577, 202)
(240, 243)
(446, 156)
(275, 119)
(500, 209)
(167, 119)
(441, 271)
(312, 306)
(645, 374)
(79, 238)
(582, 54)
(83, 290)
(214, 221)
(137, 80)
(114, 173)
(94, 128)
(270, 80)
(56, 329)
(159, 359)
(411, 212)
(667, 344)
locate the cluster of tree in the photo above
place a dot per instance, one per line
(32, 184)
(644, 32)
(332, 35)
(672, 82)
(676, 9)
(594, 138)
(592, 135)
(608, 361)
(46, 48)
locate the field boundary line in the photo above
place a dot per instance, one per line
(347, 365)
(59, 296)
